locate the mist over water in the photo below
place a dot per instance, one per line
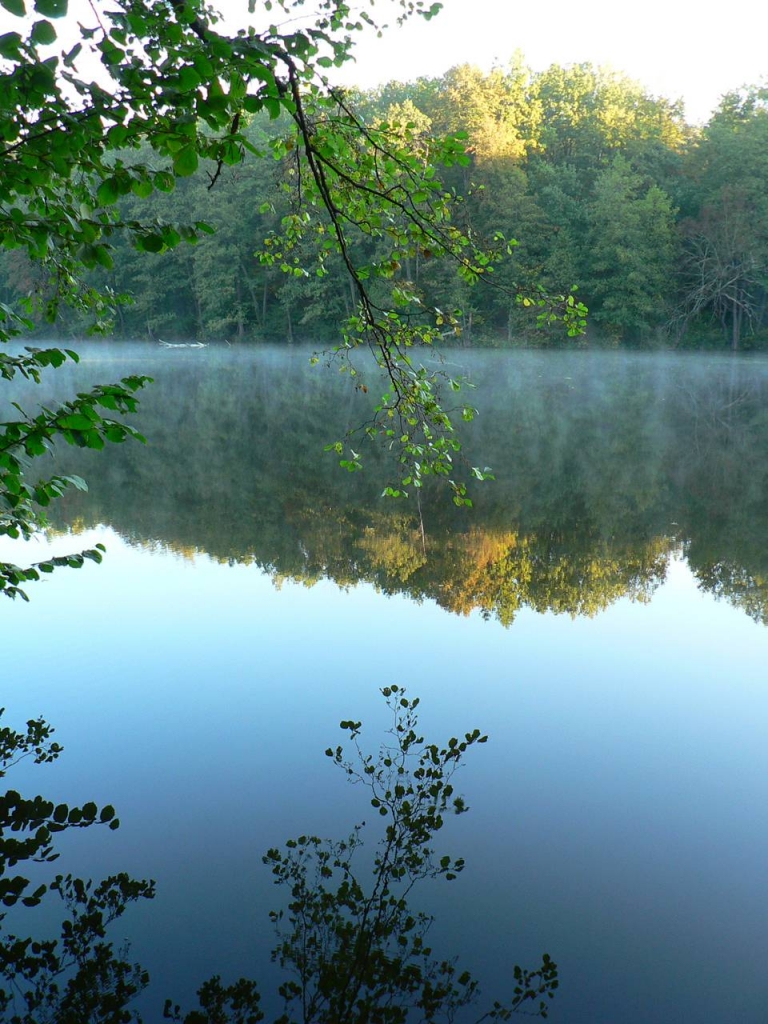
(600, 612)
(606, 467)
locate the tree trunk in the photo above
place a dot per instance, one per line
(250, 285)
(735, 325)
(240, 311)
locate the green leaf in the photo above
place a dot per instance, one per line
(15, 7)
(149, 243)
(203, 65)
(185, 162)
(111, 55)
(272, 106)
(164, 181)
(51, 8)
(93, 439)
(10, 45)
(142, 189)
(189, 78)
(75, 422)
(44, 33)
(103, 257)
(107, 192)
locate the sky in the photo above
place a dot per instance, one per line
(679, 49)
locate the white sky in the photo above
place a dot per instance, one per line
(681, 49)
(694, 50)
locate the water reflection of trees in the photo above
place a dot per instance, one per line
(350, 943)
(606, 468)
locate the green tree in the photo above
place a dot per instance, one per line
(560, 195)
(724, 272)
(589, 115)
(631, 251)
(570, 130)
(232, 289)
(480, 104)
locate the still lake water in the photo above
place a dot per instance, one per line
(601, 613)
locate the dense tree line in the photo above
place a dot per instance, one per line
(577, 178)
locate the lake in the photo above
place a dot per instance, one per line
(601, 613)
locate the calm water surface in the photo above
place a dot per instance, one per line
(600, 613)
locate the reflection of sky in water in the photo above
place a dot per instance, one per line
(618, 811)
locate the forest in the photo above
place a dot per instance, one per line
(550, 193)
(578, 182)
